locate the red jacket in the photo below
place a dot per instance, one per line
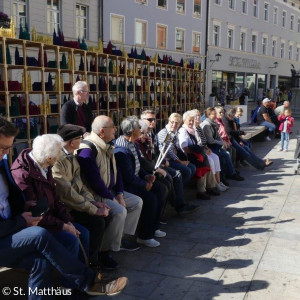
(290, 123)
(35, 186)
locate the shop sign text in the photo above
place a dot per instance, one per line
(243, 62)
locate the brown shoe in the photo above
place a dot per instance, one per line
(110, 288)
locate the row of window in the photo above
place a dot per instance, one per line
(117, 34)
(180, 6)
(53, 16)
(254, 43)
(266, 13)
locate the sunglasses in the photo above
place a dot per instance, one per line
(151, 120)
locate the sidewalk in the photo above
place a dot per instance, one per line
(244, 244)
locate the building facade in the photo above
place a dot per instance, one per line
(259, 42)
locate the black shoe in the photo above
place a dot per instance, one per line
(187, 209)
(237, 177)
(244, 163)
(213, 192)
(163, 221)
(202, 196)
(107, 262)
(129, 245)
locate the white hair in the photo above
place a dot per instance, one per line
(100, 122)
(195, 112)
(129, 124)
(187, 114)
(78, 86)
(144, 126)
(46, 146)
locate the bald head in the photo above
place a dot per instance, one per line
(104, 127)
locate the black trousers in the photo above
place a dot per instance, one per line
(96, 227)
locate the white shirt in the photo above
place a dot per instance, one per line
(5, 212)
(285, 125)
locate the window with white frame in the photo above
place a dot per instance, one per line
(179, 39)
(282, 46)
(298, 25)
(218, 2)
(81, 21)
(216, 35)
(255, 8)
(197, 8)
(264, 45)
(275, 16)
(298, 54)
(196, 42)
(162, 3)
(266, 11)
(283, 23)
(274, 46)
(140, 32)
(290, 52)
(244, 6)
(142, 1)
(53, 15)
(180, 6)
(19, 12)
(254, 43)
(231, 4)
(161, 36)
(230, 38)
(243, 41)
(117, 29)
(292, 22)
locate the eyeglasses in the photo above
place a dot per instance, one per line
(174, 122)
(84, 91)
(150, 119)
(6, 148)
(115, 127)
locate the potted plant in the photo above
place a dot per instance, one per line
(4, 20)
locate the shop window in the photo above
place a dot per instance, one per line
(161, 36)
(19, 12)
(117, 29)
(179, 39)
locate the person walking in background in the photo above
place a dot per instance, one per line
(286, 123)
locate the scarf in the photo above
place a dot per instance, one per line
(189, 130)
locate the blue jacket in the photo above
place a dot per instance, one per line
(126, 164)
(16, 201)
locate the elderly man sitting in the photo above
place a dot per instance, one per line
(104, 181)
(280, 109)
(83, 207)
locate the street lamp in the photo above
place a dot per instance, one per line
(217, 56)
(275, 65)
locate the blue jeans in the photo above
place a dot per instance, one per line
(227, 167)
(246, 154)
(37, 250)
(186, 171)
(271, 127)
(285, 136)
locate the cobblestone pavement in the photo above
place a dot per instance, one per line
(244, 244)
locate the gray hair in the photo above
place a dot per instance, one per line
(187, 114)
(230, 112)
(129, 124)
(100, 122)
(195, 112)
(148, 111)
(144, 126)
(46, 146)
(78, 86)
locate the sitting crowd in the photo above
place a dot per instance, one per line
(76, 196)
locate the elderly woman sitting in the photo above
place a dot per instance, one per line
(206, 183)
(140, 182)
(32, 173)
(213, 158)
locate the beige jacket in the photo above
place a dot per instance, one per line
(104, 157)
(73, 193)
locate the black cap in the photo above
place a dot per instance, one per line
(70, 131)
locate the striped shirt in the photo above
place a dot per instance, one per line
(200, 136)
(172, 153)
(122, 142)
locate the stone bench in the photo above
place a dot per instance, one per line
(252, 130)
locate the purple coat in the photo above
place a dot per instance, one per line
(34, 186)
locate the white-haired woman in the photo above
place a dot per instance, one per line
(196, 154)
(32, 173)
(213, 158)
(76, 111)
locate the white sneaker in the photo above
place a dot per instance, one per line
(159, 234)
(152, 243)
(285, 150)
(221, 188)
(268, 138)
(223, 185)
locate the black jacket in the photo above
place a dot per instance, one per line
(68, 114)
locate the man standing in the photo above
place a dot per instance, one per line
(264, 118)
(76, 111)
(25, 245)
(100, 175)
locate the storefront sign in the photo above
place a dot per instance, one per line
(243, 62)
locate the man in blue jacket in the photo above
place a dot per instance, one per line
(25, 245)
